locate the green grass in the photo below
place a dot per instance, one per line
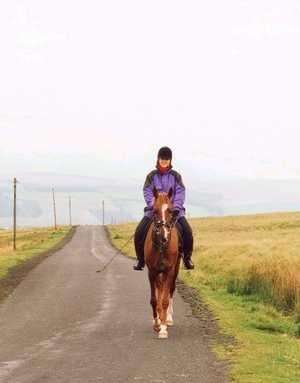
(247, 271)
(30, 242)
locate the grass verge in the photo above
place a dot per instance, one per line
(247, 270)
(33, 245)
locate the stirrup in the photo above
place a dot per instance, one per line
(188, 263)
(139, 266)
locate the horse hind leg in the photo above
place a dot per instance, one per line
(170, 311)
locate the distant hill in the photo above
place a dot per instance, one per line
(124, 198)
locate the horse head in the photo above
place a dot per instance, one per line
(162, 209)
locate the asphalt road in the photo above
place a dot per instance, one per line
(67, 323)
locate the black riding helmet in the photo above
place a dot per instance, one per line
(164, 153)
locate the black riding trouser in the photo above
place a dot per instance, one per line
(183, 227)
(186, 232)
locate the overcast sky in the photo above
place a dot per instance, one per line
(96, 87)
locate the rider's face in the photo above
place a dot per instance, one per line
(164, 163)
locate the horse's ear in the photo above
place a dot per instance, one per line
(170, 193)
(155, 192)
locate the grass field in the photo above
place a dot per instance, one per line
(247, 270)
(30, 242)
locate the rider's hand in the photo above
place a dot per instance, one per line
(148, 208)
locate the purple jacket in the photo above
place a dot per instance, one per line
(163, 182)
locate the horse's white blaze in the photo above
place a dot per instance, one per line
(165, 233)
(164, 207)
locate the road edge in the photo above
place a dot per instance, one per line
(17, 273)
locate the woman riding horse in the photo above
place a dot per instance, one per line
(162, 179)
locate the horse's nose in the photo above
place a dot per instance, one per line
(164, 240)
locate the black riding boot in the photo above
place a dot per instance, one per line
(188, 242)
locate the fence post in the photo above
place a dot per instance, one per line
(70, 210)
(15, 214)
(103, 213)
(54, 209)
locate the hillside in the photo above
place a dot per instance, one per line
(124, 198)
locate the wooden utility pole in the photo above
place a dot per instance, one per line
(103, 213)
(70, 210)
(15, 213)
(54, 209)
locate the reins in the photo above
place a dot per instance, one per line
(118, 251)
(162, 246)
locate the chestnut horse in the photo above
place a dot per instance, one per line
(163, 260)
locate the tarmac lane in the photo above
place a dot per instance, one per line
(67, 323)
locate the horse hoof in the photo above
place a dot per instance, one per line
(163, 335)
(169, 321)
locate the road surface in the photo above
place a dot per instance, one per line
(67, 323)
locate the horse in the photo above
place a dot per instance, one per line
(162, 258)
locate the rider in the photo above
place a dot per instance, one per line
(163, 178)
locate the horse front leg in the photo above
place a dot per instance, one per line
(153, 301)
(165, 301)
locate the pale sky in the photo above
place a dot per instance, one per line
(96, 87)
